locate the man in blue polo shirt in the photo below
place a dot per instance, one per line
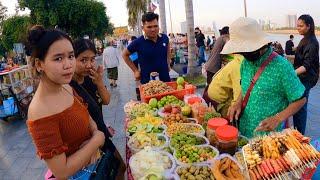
(152, 48)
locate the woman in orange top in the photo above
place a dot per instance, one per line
(64, 134)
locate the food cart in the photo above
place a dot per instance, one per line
(16, 91)
(172, 134)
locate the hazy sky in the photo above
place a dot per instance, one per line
(223, 12)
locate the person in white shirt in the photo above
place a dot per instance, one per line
(111, 56)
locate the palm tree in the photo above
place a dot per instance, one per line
(191, 39)
(162, 9)
(135, 9)
(3, 11)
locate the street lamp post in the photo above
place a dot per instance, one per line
(170, 16)
(245, 8)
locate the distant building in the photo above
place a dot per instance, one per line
(292, 21)
(215, 29)
(183, 26)
(262, 24)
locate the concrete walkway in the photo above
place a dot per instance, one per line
(17, 152)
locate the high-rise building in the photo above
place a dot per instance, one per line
(262, 24)
(292, 21)
(215, 29)
(183, 26)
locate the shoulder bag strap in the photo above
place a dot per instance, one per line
(256, 77)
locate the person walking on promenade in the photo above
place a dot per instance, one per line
(111, 58)
(289, 49)
(213, 65)
(201, 45)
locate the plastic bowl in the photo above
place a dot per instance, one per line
(198, 163)
(198, 135)
(202, 131)
(168, 172)
(160, 136)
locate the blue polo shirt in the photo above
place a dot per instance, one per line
(152, 57)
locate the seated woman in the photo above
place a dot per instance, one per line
(64, 134)
(88, 82)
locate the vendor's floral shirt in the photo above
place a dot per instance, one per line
(276, 88)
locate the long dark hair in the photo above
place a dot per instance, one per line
(308, 20)
(40, 40)
(81, 45)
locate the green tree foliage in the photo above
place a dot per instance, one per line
(14, 30)
(76, 17)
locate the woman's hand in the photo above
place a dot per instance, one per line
(95, 156)
(234, 111)
(98, 137)
(269, 124)
(97, 75)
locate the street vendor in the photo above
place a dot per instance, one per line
(277, 93)
(153, 49)
(225, 88)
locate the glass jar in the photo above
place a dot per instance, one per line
(212, 125)
(227, 139)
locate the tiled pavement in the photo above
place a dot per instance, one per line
(17, 153)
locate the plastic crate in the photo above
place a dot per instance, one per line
(189, 89)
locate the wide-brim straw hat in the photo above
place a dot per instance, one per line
(245, 36)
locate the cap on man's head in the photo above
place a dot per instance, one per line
(245, 36)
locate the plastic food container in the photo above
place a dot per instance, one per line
(197, 165)
(227, 137)
(206, 141)
(193, 98)
(209, 161)
(213, 124)
(160, 136)
(243, 139)
(162, 128)
(188, 89)
(167, 173)
(187, 129)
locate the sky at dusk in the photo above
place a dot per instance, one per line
(221, 12)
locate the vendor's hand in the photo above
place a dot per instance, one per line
(234, 111)
(137, 75)
(269, 124)
(97, 75)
